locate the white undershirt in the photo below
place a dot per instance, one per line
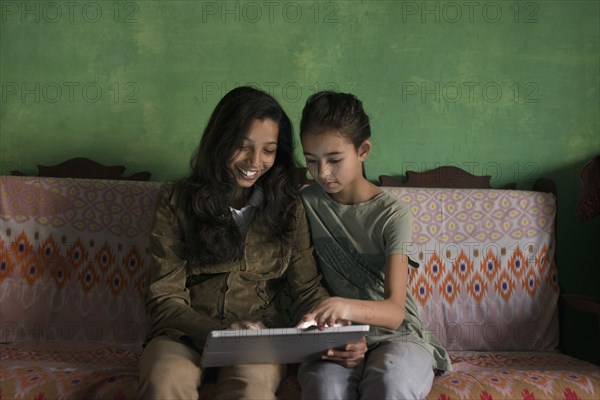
(243, 216)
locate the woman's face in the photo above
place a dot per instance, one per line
(256, 154)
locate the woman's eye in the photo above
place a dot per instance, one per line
(269, 151)
(334, 161)
(311, 162)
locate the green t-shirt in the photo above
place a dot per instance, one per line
(352, 243)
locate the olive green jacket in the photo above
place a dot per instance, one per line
(186, 301)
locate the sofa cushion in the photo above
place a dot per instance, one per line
(61, 371)
(74, 259)
(516, 375)
(67, 370)
(487, 279)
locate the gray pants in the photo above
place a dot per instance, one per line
(391, 370)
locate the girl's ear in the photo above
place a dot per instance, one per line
(364, 149)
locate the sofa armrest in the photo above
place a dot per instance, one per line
(584, 303)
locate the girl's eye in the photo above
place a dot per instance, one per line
(311, 161)
(269, 151)
(334, 161)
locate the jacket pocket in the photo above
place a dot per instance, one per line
(265, 261)
(229, 266)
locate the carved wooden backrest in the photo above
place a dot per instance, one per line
(588, 206)
(442, 177)
(80, 167)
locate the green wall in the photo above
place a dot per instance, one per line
(504, 88)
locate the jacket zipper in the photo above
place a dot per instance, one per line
(222, 300)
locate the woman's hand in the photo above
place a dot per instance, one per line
(350, 356)
(244, 324)
(330, 312)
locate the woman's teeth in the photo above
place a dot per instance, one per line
(248, 173)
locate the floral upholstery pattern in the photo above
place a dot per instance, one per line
(487, 269)
(68, 370)
(73, 267)
(74, 260)
(516, 375)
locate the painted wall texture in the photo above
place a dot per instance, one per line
(502, 88)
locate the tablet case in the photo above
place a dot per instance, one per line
(275, 345)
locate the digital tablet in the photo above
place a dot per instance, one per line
(275, 345)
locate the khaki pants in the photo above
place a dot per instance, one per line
(171, 370)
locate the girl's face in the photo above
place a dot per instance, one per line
(256, 154)
(333, 160)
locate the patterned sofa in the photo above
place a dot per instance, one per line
(74, 261)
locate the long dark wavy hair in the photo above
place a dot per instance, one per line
(211, 236)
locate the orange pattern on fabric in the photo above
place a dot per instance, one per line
(477, 287)
(490, 265)
(541, 260)
(538, 379)
(133, 262)
(6, 261)
(31, 268)
(575, 377)
(21, 248)
(504, 278)
(77, 254)
(88, 278)
(506, 380)
(530, 283)
(32, 377)
(552, 277)
(501, 380)
(140, 284)
(104, 258)
(517, 263)
(60, 273)
(449, 288)
(421, 290)
(504, 285)
(462, 266)
(35, 261)
(457, 383)
(116, 282)
(49, 250)
(435, 268)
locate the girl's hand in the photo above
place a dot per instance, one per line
(330, 312)
(350, 356)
